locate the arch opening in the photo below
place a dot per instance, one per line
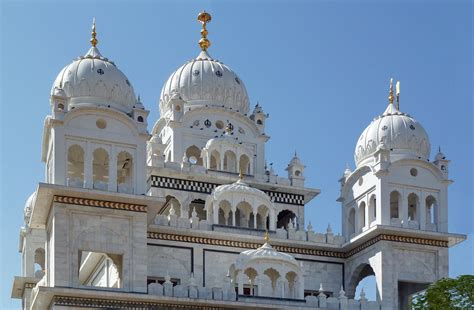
(284, 218)
(363, 277)
(215, 161)
(244, 164)
(100, 169)
(125, 172)
(230, 162)
(395, 206)
(431, 212)
(413, 208)
(75, 166)
(193, 153)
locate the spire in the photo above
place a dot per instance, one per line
(390, 94)
(93, 39)
(204, 18)
(397, 87)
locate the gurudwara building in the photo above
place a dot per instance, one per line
(189, 216)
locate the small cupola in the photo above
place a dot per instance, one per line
(296, 171)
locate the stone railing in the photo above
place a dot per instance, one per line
(291, 233)
(228, 293)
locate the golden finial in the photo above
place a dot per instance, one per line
(93, 39)
(204, 18)
(266, 237)
(390, 94)
(241, 174)
(397, 92)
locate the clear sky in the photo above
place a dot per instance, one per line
(320, 68)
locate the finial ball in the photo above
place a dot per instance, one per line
(204, 17)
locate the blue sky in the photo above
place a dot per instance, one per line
(320, 68)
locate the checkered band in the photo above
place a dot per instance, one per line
(206, 188)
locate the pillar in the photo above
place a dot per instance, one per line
(404, 210)
(422, 209)
(88, 157)
(112, 186)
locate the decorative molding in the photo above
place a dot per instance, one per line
(207, 188)
(124, 304)
(242, 244)
(296, 250)
(29, 285)
(100, 203)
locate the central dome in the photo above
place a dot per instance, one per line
(204, 81)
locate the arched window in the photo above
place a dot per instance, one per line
(431, 210)
(413, 207)
(224, 216)
(100, 169)
(198, 205)
(215, 160)
(75, 166)
(100, 269)
(39, 263)
(251, 274)
(140, 119)
(372, 209)
(230, 162)
(362, 223)
(124, 172)
(172, 203)
(351, 227)
(394, 205)
(291, 279)
(262, 217)
(244, 164)
(193, 153)
(245, 211)
(284, 217)
(273, 276)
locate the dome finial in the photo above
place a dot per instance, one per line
(93, 39)
(241, 174)
(390, 94)
(204, 18)
(266, 237)
(397, 87)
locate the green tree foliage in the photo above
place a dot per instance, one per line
(447, 294)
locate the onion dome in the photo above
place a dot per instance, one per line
(94, 80)
(396, 131)
(205, 81)
(266, 253)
